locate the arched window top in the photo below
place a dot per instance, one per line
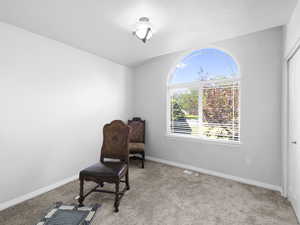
(205, 65)
(204, 97)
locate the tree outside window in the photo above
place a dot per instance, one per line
(204, 96)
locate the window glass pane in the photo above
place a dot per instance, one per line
(220, 106)
(204, 65)
(204, 96)
(184, 111)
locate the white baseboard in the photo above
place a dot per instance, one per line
(33, 194)
(217, 174)
(40, 191)
(294, 203)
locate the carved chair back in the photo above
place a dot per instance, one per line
(115, 141)
(137, 131)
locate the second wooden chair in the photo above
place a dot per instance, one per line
(137, 138)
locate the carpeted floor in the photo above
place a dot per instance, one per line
(164, 195)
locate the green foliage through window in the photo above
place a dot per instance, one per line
(210, 108)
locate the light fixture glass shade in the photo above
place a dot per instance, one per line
(143, 29)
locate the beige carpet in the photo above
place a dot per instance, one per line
(164, 195)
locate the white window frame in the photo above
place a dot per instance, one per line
(199, 84)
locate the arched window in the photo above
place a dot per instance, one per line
(204, 96)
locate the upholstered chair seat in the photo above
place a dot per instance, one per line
(136, 147)
(106, 170)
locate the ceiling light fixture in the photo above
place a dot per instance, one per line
(143, 29)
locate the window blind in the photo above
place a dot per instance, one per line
(210, 110)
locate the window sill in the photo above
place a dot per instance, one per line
(203, 140)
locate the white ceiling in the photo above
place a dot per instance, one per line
(104, 27)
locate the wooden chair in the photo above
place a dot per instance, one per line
(137, 138)
(114, 147)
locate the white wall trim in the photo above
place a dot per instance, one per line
(36, 193)
(285, 116)
(293, 50)
(295, 206)
(284, 127)
(217, 174)
(43, 190)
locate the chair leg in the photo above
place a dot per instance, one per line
(117, 197)
(143, 159)
(127, 180)
(81, 197)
